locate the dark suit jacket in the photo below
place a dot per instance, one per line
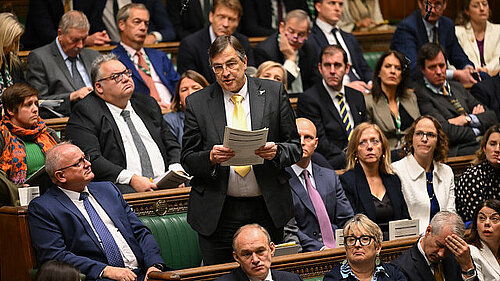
(269, 50)
(204, 127)
(92, 128)
(336, 203)
(192, 19)
(316, 105)
(193, 53)
(358, 192)
(487, 92)
(391, 270)
(411, 35)
(59, 231)
(413, 265)
(358, 61)
(237, 274)
(47, 72)
(161, 63)
(462, 138)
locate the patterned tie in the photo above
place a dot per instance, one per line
(108, 242)
(147, 168)
(77, 78)
(438, 275)
(432, 195)
(344, 116)
(435, 35)
(325, 225)
(239, 122)
(145, 73)
(455, 102)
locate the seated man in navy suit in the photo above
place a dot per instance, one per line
(89, 225)
(316, 219)
(152, 71)
(253, 250)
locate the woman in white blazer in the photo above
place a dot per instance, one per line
(427, 183)
(485, 240)
(479, 38)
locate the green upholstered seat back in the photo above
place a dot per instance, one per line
(372, 58)
(177, 240)
(320, 278)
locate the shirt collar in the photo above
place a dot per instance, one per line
(212, 34)
(324, 26)
(63, 54)
(421, 250)
(298, 170)
(116, 111)
(331, 91)
(346, 271)
(268, 277)
(131, 51)
(429, 25)
(437, 90)
(73, 195)
(242, 92)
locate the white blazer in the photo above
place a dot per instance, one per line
(414, 186)
(467, 40)
(487, 267)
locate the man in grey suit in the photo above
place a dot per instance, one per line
(60, 70)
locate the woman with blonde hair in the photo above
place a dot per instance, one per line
(369, 182)
(272, 70)
(10, 66)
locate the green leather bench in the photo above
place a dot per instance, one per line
(372, 58)
(177, 240)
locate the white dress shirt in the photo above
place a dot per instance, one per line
(335, 100)
(79, 65)
(298, 171)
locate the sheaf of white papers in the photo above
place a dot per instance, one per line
(244, 143)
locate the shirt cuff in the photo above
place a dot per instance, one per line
(476, 131)
(475, 123)
(291, 67)
(158, 36)
(124, 177)
(449, 74)
(176, 167)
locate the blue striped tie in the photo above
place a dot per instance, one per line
(345, 116)
(108, 242)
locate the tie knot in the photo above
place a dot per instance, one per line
(340, 96)
(236, 98)
(84, 196)
(72, 60)
(139, 54)
(125, 114)
(305, 173)
(335, 29)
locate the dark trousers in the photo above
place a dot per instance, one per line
(236, 212)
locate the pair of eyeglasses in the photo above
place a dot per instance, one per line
(78, 164)
(299, 37)
(230, 65)
(429, 135)
(365, 143)
(364, 240)
(118, 77)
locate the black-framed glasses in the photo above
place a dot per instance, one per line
(231, 65)
(118, 77)
(364, 240)
(429, 135)
(78, 164)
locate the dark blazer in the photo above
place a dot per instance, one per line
(394, 274)
(462, 138)
(358, 192)
(193, 53)
(92, 128)
(487, 92)
(47, 72)
(161, 63)
(336, 203)
(191, 20)
(59, 231)
(204, 127)
(237, 274)
(269, 49)
(358, 61)
(316, 105)
(414, 266)
(175, 121)
(411, 35)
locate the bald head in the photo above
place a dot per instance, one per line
(305, 124)
(308, 140)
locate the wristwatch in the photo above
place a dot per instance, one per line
(468, 119)
(469, 273)
(160, 266)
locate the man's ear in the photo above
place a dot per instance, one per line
(59, 175)
(121, 25)
(273, 248)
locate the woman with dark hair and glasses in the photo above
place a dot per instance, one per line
(428, 184)
(391, 104)
(363, 242)
(481, 181)
(485, 240)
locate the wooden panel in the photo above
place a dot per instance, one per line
(159, 202)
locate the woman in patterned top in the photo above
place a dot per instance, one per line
(481, 181)
(363, 242)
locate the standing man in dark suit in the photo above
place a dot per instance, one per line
(316, 219)
(326, 32)
(223, 198)
(415, 30)
(430, 260)
(60, 70)
(463, 118)
(89, 225)
(152, 71)
(194, 16)
(224, 19)
(123, 133)
(291, 48)
(324, 102)
(253, 250)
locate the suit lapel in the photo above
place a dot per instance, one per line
(87, 63)
(412, 110)
(300, 190)
(59, 61)
(353, 106)
(257, 97)
(363, 189)
(107, 207)
(111, 120)
(421, 265)
(385, 114)
(322, 186)
(327, 100)
(217, 108)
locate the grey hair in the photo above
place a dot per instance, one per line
(253, 225)
(445, 219)
(221, 43)
(300, 15)
(53, 158)
(73, 19)
(124, 12)
(95, 72)
(361, 221)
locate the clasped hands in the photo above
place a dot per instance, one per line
(220, 154)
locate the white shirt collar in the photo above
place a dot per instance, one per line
(421, 250)
(242, 92)
(73, 195)
(298, 170)
(116, 111)
(131, 51)
(212, 34)
(331, 91)
(324, 26)
(63, 54)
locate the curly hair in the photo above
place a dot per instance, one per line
(193, 75)
(441, 151)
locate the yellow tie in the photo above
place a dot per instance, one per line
(66, 6)
(438, 275)
(239, 122)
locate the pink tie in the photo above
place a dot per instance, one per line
(323, 219)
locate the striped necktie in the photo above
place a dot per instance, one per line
(344, 116)
(455, 102)
(239, 122)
